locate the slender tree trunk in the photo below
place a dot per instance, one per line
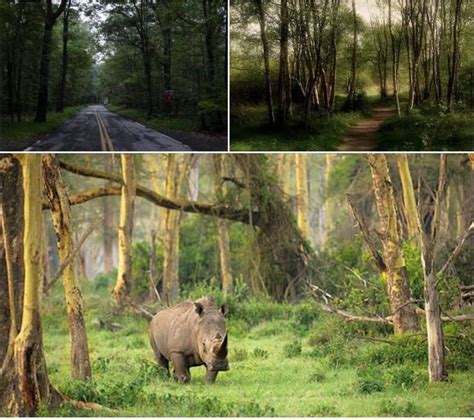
(409, 202)
(436, 350)
(284, 77)
(220, 164)
(61, 216)
(64, 64)
(266, 59)
(108, 242)
(352, 82)
(177, 170)
(127, 204)
(404, 313)
(302, 211)
(395, 59)
(455, 55)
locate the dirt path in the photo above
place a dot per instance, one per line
(363, 136)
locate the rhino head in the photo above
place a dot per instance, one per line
(212, 337)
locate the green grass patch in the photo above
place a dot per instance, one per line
(286, 360)
(18, 135)
(424, 130)
(249, 132)
(181, 123)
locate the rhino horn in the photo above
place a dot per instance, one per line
(221, 349)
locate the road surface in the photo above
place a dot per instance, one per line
(95, 128)
(363, 136)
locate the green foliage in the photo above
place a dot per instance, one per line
(370, 380)
(324, 410)
(20, 135)
(430, 130)
(260, 353)
(405, 349)
(254, 134)
(238, 355)
(396, 408)
(291, 350)
(405, 376)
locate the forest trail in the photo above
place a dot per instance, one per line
(363, 136)
(96, 128)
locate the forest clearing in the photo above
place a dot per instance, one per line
(160, 64)
(345, 283)
(305, 73)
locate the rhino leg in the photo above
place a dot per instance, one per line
(163, 362)
(211, 376)
(181, 370)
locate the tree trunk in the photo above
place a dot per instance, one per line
(404, 313)
(50, 20)
(284, 77)
(64, 64)
(61, 217)
(24, 382)
(453, 70)
(13, 226)
(352, 83)
(266, 59)
(223, 228)
(176, 170)
(395, 59)
(409, 202)
(302, 195)
(127, 204)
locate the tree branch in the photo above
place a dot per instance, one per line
(377, 258)
(70, 257)
(224, 212)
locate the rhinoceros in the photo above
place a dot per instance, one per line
(191, 334)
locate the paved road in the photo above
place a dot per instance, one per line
(363, 136)
(95, 128)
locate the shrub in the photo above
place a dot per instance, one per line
(318, 376)
(101, 364)
(260, 353)
(404, 377)
(292, 349)
(370, 380)
(324, 410)
(238, 355)
(393, 408)
(404, 349)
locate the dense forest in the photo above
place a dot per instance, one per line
(296, 64)
(345, 276)
(156, 58)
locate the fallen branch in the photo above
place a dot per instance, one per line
(140, 309)
(70, 257)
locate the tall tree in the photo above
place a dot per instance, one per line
(50, 19)
(261, 11)
(284, 76)
(127, 204)
(409, 201)
(64, 63)
(302, 206)
(404, 313)
(61, 216)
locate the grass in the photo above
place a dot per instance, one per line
(428, 130)
(250, 132)
(275, 370)
(19, 135)
(181, 123)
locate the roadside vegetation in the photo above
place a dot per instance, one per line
(17, 136)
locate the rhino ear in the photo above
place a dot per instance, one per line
(198, 308)
(224, 309)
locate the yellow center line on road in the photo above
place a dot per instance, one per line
(105, 141)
